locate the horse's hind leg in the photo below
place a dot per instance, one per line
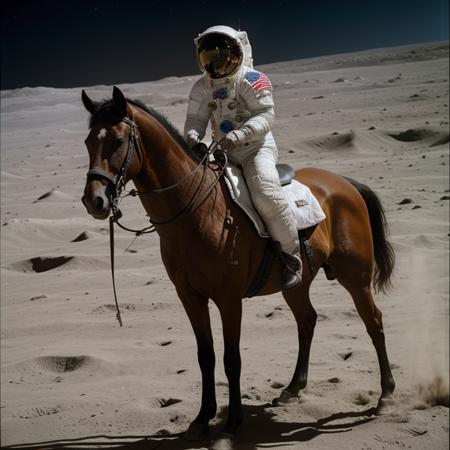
(372, 319)
(305, 316)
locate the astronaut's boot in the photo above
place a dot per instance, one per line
(291, 274)
(291, 277)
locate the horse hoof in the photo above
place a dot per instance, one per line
(286, 398)
(196, 432)
(386, 406)
(225, 441)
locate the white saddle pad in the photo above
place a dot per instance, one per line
(304, 205)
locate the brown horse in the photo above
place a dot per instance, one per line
(211, 250)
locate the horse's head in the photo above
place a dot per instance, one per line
(113, 152)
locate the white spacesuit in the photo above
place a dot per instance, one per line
(237, 99)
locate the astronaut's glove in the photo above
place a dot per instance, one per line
(192, 138)
(233, 139)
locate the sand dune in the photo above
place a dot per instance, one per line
(69, 372)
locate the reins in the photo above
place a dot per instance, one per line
(118, 183)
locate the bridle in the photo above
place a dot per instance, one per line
(117, 183)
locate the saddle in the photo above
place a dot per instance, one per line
(286, 173)
(305, 207)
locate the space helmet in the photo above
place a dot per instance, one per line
(221, 50)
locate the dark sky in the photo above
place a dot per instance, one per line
(87, 42)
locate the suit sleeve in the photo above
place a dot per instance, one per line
(198, 113)
(261, 107)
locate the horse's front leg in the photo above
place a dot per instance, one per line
(197, 310)
(231, 314)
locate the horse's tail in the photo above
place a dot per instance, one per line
(384, 253)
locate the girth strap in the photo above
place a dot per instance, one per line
(306, 245)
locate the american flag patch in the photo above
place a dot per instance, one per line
(258, 81)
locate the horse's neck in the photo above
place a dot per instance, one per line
(165, 164)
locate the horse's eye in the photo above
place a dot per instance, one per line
(119, 142)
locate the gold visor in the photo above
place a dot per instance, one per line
(219, 62)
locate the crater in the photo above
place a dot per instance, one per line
(40, 264)
(43, 264)
(413, 135)
(61, 364)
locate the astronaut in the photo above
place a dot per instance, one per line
(237, 100)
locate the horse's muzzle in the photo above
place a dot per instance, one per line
(97, 203)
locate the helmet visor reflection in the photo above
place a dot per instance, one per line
(218, 62)
(218, 55)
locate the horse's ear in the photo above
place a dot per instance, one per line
(90, 105)
(120, 102)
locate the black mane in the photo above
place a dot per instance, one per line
(107, 112)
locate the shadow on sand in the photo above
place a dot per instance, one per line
(261, 429)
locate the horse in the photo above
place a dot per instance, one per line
(211, 250)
